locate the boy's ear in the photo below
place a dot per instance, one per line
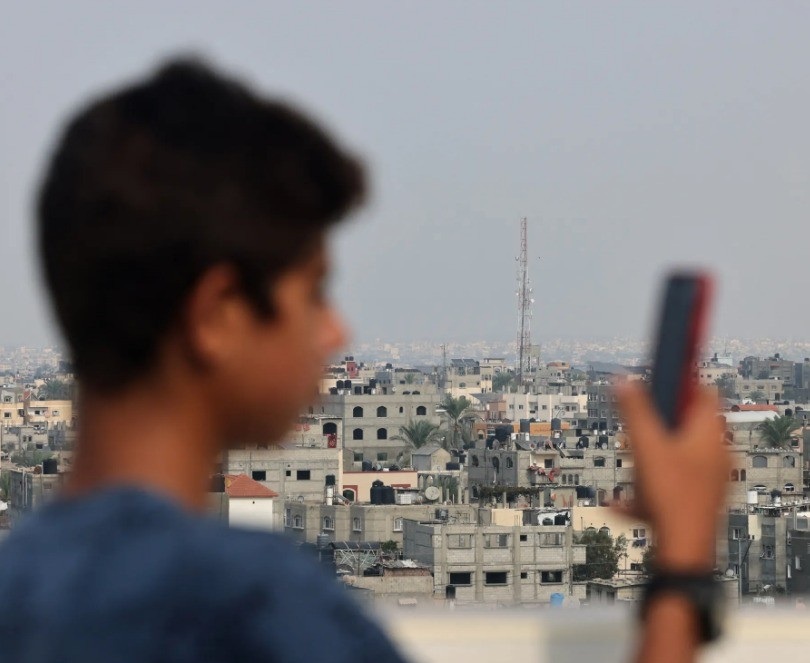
(214, 311)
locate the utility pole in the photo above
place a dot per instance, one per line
(525, 301)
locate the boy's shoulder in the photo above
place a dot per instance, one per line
(129, 551)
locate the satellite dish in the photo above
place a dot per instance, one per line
(432, 493)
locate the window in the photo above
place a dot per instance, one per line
(382, 455)
(759, 461)
(604, 530)
(397, 524)
(475, 461)
(421, 411)
(496, 577)
(382, 411)
(356, 525)
(599, 461)
(789, 461)
(287, 517)
(401, 409)
(524, 575)
(551, 577)
(509, 463)
(737, 533)
(7, 415)
(357, 412)
(461, 579)
(328, 524)
(798, 563)
(287, 473)
(576, 479)
(459, 541)
(548, 463)
(735, 475)
(496, 540)
(790, 488)
(382, 434)
(550, 539)
(349, 494)
(767, 552)
(618, 462)
(259, 475)
(358, 456)
(54, 412)
(357, 434)
(298, 522)
(302, 475)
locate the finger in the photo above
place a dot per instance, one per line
(646, 430)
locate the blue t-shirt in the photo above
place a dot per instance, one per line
(124, 575)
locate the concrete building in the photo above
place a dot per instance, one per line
(245, 503)
(28, 488)
(495, 564)
(430, 458)
(638, 533)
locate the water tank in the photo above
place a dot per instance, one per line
(330, 479)
(377, 494)
(452, 466)
(547, 521)
(50, 466)
(377, 483)
(366, 466)
(524, 425)
(339, 384)
(462, 458)
(358, 391)
(556, 424)
(347, 384)
(217, 482)
(578, 432)
(753, 497)
(556, 600)
(502, 433)
(388, 495)
(560, 519)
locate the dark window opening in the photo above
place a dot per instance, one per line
(461, 579)
(259, 475)
(302, 475)
(551, 576)
(495, 578)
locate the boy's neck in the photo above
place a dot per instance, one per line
(145, 438)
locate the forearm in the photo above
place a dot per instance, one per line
(670, 632)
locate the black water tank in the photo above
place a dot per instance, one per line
(462, 458)
(50, 466)
(452, 466)
(524, 426)
(366, 466)
(388, 495)
(556, 424)
(217, 483)
(377, 494)
(358, 391)
(333, 391)
(502, 433)
(560, 519)
(579, 432)
(347, 384)
(330, 479)
(377, 483)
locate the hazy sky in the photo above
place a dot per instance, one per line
(631, 134)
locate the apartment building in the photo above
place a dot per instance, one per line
(497, 564)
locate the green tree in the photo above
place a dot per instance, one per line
(602, 555)
(648, 560)
(502, 381)
(30, 457)
(777, 431)
(456, 409)
(56, 390)
(419, 433)
(757, 396)
(725, 386)
(389, 547)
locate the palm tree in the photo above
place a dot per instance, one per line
(417, 434)
(777, 431)
(456, 409)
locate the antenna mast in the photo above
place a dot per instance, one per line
(525, 301)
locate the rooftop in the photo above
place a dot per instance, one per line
(241, 485)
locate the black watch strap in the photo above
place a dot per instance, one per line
(701, 590)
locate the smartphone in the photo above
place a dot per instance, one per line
(680, 335)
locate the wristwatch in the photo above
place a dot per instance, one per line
(701, 590)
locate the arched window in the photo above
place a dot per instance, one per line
(298, 522)
(382, 434)
(599, 461)
(496, 463)
(789, 461)
(742, 475)
(357, 412)
(604, 530)
(356, 525)
(357, 434)
(509, 463)
(421, 411)
(397, 524)
(789, 488)
(330, 428)
(576, 479)
(475, 461)
(382, 411)
(328, 523)
(735, 475)
(759, 461)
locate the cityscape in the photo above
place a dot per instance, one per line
(440, 480)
